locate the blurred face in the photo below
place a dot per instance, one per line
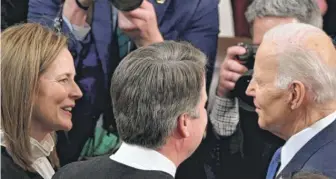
(323, 6)
(198, 125)
(264, 24)
(56, 95)
(271, 102)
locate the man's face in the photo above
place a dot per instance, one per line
(199, 124)
(264, 24)
(271, 102)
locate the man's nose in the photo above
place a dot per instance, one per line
(250, 91)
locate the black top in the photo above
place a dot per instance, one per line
(13, 12)
(10, 170)
(104, 168)
(329, 24)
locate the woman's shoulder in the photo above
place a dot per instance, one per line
(9, 170)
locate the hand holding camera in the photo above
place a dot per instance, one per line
(230, 71)
(140, 24)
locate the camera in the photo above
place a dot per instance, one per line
(247, 59)
(126, 5)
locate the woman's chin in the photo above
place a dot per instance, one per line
(65, 126)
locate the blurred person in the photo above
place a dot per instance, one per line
(293, 88)
(241, 147)
(38, 92)
(161, 116)
(101, 36)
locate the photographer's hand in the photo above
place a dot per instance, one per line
(141, 25)
(74, 13)
(230, 71)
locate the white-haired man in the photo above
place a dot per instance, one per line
(241, 149)
(293, 87)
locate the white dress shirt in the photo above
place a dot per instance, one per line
(143, 159)
(297, 141)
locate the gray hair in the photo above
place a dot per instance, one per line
(305, 11)
(154, 85)
(298, 62)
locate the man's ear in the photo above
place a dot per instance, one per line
(297, 95)
(183, 123)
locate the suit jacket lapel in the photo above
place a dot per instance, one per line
(102, 30)
(325, 136)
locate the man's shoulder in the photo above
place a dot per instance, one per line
(326, 154)
(97, 165)
(103, 168)
(323, 160)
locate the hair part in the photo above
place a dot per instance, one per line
(305, 11)
(27, 50)
(154, 85)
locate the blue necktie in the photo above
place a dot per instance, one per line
(124, 44)
(274, 165)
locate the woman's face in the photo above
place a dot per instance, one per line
(56, 95)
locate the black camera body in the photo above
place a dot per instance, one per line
(126, 5)
(247, 59)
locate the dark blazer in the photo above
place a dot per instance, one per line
(9, 170)
(318, 155)
(105, 168)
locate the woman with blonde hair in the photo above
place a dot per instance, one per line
(38, 92)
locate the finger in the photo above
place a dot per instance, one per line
(232, 76)
(143, 14)
(125, 23)
(236, 67)
(138, 22)
(146, 5)
(233, 51)
(226, 85)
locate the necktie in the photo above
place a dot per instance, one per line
(124, 43)
(274, 165)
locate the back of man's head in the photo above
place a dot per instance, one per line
(305, 11)
(152, 87)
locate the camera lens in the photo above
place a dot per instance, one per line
(126, 5)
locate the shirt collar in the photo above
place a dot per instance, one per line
(143, 159)
(297, 141)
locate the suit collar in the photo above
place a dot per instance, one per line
(298, 161)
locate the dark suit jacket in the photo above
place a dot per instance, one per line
(105, 168)
(318, 155)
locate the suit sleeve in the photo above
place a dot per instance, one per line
(45, 12)
(203, 31)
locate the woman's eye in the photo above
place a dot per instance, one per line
(64, 80)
